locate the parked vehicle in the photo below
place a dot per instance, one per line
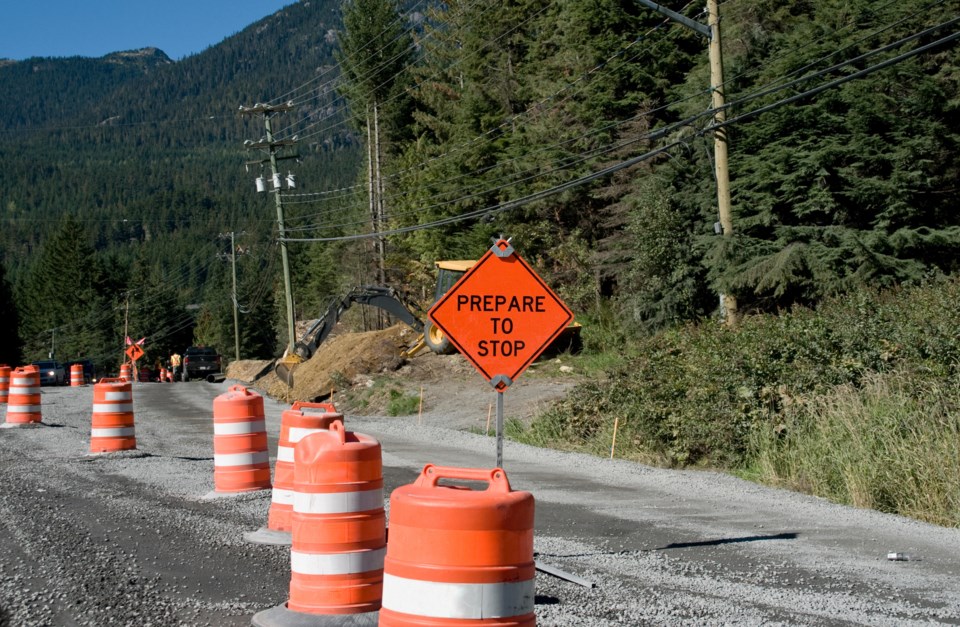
(51, 372)
(200, 361)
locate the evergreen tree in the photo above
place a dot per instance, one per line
(64, 313)
(10, 344)
(375, 50)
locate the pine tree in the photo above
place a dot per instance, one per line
(375, 50)
(10, 344)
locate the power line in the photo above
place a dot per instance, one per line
(634, 160)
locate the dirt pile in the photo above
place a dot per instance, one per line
(338, 361)
(247, 370)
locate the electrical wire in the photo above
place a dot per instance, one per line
(632, 161)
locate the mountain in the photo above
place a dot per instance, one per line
(133, 142)
(146, 157)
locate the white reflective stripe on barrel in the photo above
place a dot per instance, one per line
(457, 600)
(337, 502)
(295, 434)
(240, 459)
(282, 497)
(24, 389)
(336, 563)
(22, 409)
(25, 381)
(285, 454)
(239, 428)
(112, 432)
(113, 408)
(118, 396)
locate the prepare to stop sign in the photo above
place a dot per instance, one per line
(500, 315)
(500, 325)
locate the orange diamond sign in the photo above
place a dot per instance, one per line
(134, 352)
(501, 315)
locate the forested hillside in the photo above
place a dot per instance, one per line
(582, 130)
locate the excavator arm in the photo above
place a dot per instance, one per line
(385, 298)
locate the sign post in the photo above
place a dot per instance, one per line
(501, 316)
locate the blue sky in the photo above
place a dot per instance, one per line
(93, 28)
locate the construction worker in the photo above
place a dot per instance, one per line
(175, 361)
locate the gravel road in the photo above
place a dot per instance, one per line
(130, 539)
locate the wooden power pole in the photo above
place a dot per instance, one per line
(728, 302)
(271, 147)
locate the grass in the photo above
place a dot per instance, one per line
(400, 403)
(383, 395)
(893, 445)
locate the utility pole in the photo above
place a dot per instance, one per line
(728, 302)
(270, 146)
(236, 303)
(126, 326)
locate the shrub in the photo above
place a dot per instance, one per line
(696, 395)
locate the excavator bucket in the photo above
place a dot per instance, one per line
(285, 366)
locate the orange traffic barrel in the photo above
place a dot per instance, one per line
(339, 526)
(4, 383)
(163, 375)
(76, 375)
(23, 398)
(241, 462)
(459, 556)
(296, 423)
(111, 428)
(125, 372)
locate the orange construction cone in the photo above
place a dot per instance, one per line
(459, 556)
(76, 375)
(296, 423)
(4, 383)
(111, 428)
(23, 400)
(339, 532)
(241, 462)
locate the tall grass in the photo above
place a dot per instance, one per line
(890, 444)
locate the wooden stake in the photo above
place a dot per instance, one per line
(613, 445)
(489, 411)
(420, 409)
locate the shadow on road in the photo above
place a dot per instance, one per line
(684, 545)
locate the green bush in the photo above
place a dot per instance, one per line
(696, 395)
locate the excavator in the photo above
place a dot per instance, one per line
(389, 300)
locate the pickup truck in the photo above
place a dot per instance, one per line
(200, 361)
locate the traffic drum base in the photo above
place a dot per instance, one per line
(269, 536)
(22, 425)
(280, 616)
(257, 492)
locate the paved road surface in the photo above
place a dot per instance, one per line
(129, 539)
